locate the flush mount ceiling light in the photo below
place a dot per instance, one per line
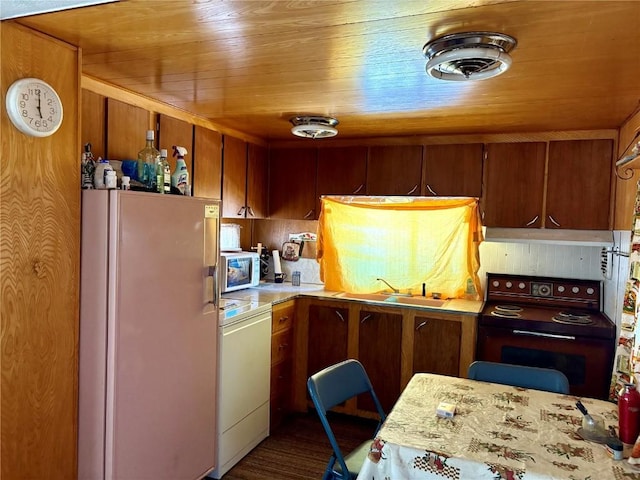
(469, 56)
(314, 126)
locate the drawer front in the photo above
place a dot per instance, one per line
(282, 318)
(281, 346)
(281, 380)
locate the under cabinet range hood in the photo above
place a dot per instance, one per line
(587, 238)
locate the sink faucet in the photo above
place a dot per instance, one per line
(395, 290)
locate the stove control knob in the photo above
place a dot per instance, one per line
(496, 283)
(509, 284)
(575, 289)
(560, 289)
(590, 291)
(521, 285)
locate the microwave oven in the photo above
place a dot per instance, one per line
(239, 270)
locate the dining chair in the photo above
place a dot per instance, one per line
(330, 387)
(536, 378)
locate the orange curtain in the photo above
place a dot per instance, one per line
(407, 241)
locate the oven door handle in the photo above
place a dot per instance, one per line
(546, 335)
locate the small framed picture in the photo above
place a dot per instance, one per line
(291, 251)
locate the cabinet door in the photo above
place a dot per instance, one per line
(379, 342)
(234, 178)
(257, 186)
(207, 163)
(579, 184)
(394, 170)
(93, 122)
(172, 131)
(127, 127)
(514, 184)
(341, 171)
(292, 183)
(453, 170)
(327, 342)
(436, 346)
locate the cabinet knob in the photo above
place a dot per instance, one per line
(534, 220)
(339, 315)
(250, 210)
(283, 319)
(241, 212)
(357, 190)
(366, 317)
(415, 187)
(431, 191)
(282, 346)
(421, 325)
(309, 214)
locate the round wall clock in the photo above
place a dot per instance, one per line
(34, 107)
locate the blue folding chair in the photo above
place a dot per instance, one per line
(333, 386)
(536, 378)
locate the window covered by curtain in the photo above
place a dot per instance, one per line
(407, 241)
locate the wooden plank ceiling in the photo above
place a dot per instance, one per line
(251, 65)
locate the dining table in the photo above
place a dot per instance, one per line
(498, 432)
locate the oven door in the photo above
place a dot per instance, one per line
(585, 361)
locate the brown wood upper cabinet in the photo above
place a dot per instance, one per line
(514, 183)
(174, 132)
(579, 184)
(207, 163)
(94, 109)
(341, 171)
(127, 127)
(244, 183)
(453, 170)
(292, 183)
(394, 170)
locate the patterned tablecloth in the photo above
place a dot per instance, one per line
(498, 432)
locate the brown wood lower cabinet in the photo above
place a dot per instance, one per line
(327, 338)
(436, 345)
(392, 342)
(379, 343)
(282, 321)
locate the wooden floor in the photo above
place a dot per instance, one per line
(299, 449)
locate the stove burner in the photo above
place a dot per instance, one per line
(569, 319)
(573, 313)
(508, 308)
(505, 314)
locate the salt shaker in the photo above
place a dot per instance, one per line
(295, 278)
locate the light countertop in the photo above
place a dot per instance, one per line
(280, 292)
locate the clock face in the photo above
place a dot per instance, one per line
(34, 107)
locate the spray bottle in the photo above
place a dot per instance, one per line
(180, 176)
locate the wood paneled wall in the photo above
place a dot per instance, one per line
(39, 268)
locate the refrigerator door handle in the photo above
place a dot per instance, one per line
(213, 272)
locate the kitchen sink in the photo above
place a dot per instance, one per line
(393, 298)
(422, 301)
(373, 297)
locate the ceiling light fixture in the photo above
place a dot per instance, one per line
(313, 126)
(469, 55)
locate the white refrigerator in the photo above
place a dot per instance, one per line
(148, 336)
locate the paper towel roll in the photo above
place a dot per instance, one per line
(277, 268)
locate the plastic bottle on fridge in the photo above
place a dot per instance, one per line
(100, 174)
(629, 414)
(163, 173)
(147, 159)
(180, 177)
